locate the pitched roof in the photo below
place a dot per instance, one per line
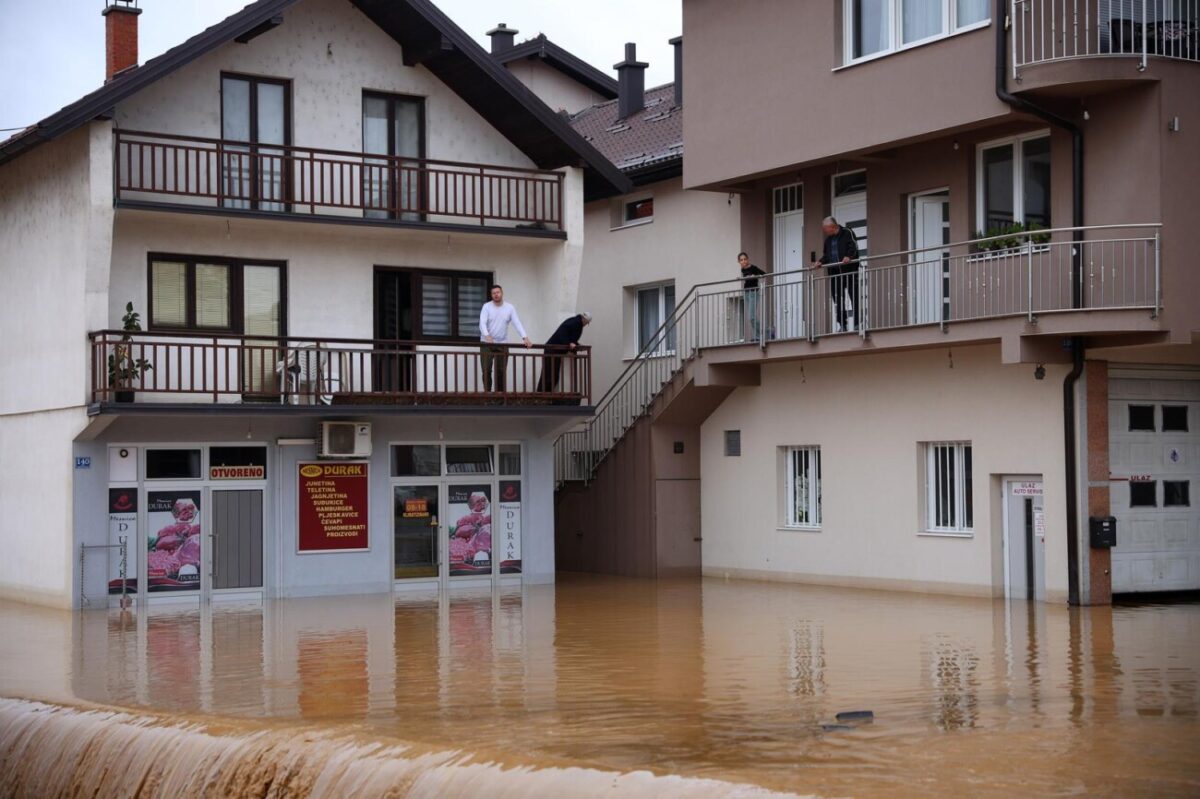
(646, 146)
(427, 37)
(565, 62)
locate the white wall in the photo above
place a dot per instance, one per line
(557, 90)
(55, 235)
(868, 415)
(331, 52)
(694, 238)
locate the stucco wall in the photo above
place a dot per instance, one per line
(555, 89)
(869, 415)
(331, 52)
(694, 238)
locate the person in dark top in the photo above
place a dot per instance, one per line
(558, 347)
(840, 258)
(750, 293)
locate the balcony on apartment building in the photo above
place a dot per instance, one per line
(163, 371)
(1110, 36)
(161, 171)
(1040, 285)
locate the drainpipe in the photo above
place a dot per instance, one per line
(1077, 345)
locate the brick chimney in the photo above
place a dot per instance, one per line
(502, 37)
(631, 83)
(120, 36)
(677, 43)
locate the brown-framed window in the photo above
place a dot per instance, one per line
(393, 125)
(429, 304)
(217, 294)
(256, 114)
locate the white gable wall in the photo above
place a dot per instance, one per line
(554, 88)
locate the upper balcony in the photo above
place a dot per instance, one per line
(1115, 35)
(163, 372)
(163, 171)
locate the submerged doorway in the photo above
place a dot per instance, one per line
(1024, 539)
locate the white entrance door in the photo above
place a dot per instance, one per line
(1154, 456)
(1024, 539)
(787, 290)
(927, 300)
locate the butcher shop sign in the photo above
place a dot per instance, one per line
(333, 507)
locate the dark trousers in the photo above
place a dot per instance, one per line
(843, 280)
(552, 367)
(495, 362)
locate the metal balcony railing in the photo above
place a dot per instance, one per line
(1023, 274)
(194, 368)
(1053, 30)
(191, 171)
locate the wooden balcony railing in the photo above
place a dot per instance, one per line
(244, 176)
(188, 367)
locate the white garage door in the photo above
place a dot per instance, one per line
(1154, 454)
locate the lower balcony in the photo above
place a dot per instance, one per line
(162, 171)
(156, 371)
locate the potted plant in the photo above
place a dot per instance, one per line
(123, 368)
(1012, 237)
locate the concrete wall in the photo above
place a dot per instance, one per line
(556, 90)
(287, 573)
(694, 238)
(869, 416)
(331, 52)
(55, 235)
(751, 111)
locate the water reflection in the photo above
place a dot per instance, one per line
(738, 681)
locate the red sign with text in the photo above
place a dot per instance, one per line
(333, 507)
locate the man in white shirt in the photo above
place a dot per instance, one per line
(494, 319)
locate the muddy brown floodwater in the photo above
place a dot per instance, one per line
(603, 685)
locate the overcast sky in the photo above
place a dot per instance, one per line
(52, 51)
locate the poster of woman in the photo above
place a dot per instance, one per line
(173, 541)
(470, 514)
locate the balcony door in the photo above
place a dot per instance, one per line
(788, 285)
(394, 132)
(256, 126)
(929, 267)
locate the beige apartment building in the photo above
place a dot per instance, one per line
(999, 396)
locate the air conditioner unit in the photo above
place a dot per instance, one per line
(345, 440)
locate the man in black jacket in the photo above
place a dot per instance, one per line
(840, 258)
(559, 347)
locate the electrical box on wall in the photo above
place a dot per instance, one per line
(1103, 532)
(345, 440)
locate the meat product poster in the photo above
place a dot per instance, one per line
(122, 521)
(173, 541)
(508, 522)
(333, 507)
(470, 514)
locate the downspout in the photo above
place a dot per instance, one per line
(1077, 345)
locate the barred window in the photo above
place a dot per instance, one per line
(948, 484)
(803, 487)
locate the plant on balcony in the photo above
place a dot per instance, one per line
(1010, 237)
(123, 368)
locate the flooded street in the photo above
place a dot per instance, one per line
(735, 682)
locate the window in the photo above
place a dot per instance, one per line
(424, 304)
(1143, 494)
(639, 210)
(1014, 183)
(803, 487)
(509, 457)
(655, 307)
(246, 463)
(1174, 418)
(874, 27)
(256, 111)
(948, 487)
(393, 126)
(733, 443)
(172, 464)
(416, 460)
(216, 294)
(1141, 417)
(1175, 494)
(629, 211)
(469, 460)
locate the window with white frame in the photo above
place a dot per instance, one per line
(655, 305)
(875, 27)
(803, 465)
(948, 485)
(631, 210)
(1013, 180)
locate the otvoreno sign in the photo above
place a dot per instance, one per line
(237, 473)
(333, 507)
